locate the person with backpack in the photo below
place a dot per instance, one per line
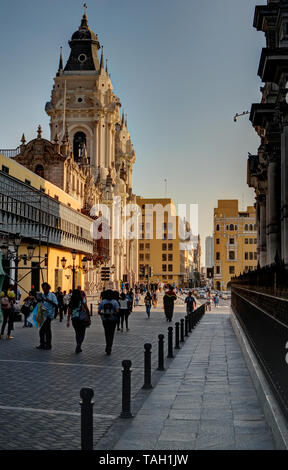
(78, 305)
(124, 310)
(190, 303)
(8, 315)
(49, 304)
(148, 303)
(108, 309)
(168, 303)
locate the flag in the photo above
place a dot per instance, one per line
(37, 316)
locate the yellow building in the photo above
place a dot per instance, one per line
(47, 221)
(235, 242)
(159, 244)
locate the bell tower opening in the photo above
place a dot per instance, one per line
(39, 170)
(79, 142)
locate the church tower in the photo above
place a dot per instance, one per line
(84, 105)
(85, 111)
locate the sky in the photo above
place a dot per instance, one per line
(182, 70)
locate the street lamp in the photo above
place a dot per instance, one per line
(84, 261)
(63, 262)
(30, 250)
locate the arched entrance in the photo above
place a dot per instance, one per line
(79, 142)
(218, 285)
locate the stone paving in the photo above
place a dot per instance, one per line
(205, 400)
(39, 390)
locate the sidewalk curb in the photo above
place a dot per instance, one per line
(271, 409)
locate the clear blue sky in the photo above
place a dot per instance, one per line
(182, 69)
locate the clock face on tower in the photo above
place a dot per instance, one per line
(82, 58)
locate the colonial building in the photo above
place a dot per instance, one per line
(235, 242)
(90, 155)
(41, 226)
(267, 171)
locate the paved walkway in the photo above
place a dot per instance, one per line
(205, 400)
(39, 390)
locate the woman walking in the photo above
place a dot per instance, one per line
(124, 310)
(8, 315)
(148, 303)
(77, 305)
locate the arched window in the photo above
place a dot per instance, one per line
(250, 227)
(39, 170)
(231, 227)
(79, 142)
(246, 227)
(217, 227)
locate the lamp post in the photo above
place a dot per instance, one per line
(73, 268)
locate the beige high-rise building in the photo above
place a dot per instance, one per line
(235, 242)
(159, 244)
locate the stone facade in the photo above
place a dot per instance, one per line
(267, 171)
(90, 154)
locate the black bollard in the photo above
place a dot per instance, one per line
(126, 390)
(86, 418)
(190, 322)
(91, 310)
(170, 342)
(161, 352)
(182, 330)
(147, 366)
(186, 325)
(177, 331)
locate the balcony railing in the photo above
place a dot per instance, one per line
(10, 153)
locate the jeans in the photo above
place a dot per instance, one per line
(8, 316)
(80, 330)
(148, 308)
(45, 333)
(124, 314)
(109, 328)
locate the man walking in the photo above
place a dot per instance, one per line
(168, 303)
(49, 304)
(60, 299)
(109, 310)
(190, 303)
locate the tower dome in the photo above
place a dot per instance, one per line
(84, 45)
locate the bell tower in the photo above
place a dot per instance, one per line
(83, 103)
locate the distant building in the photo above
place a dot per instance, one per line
(235, 242)
(209, 252)
(159, 245)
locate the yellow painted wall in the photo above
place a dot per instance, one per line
(153, 247)
(224, 215)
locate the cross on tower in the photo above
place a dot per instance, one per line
(85, 8)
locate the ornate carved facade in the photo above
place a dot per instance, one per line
(90, 155)
(267, 171)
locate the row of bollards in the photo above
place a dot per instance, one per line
(182, 330)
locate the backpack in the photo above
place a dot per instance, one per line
(5, 303)
(108, 312)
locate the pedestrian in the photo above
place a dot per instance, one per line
(116, 296)
(49, 304)
(124, 311)
(148, 303)
(27, 307)
(130, 298)
(60, 308)
(168, 303)
(190, 303)
(8, 315)
(77, 305)
(109, 311)
(216, 300)
(154, 299)
(137, 298)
